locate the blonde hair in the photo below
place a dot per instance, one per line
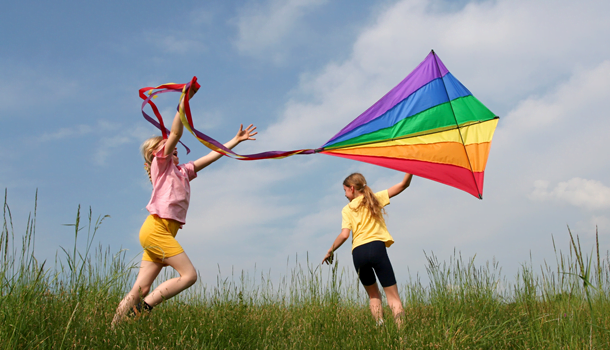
(147, 148)
(369, 200)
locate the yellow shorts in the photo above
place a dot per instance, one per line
(157, 239)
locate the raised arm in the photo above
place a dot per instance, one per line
(174, 135)
(399, 187)
(341, 238)
(176, 132)
(242, 135)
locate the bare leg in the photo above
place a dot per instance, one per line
(147, 274)
(391, 294)
(171, 287)
(375, 302)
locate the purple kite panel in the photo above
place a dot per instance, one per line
(425, 72)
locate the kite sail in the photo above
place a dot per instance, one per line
(429, 125)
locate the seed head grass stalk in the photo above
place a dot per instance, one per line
(466, 305)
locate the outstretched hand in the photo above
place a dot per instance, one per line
(328, 259)
(243, 135)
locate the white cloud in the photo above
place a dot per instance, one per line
(235, 214)
(525, 60)
(558, 135)
(208, 119)
(589, 194)
(575, 101)
(109, 144)
(26, 85)
(502, 51)
(264, 27)
(537, 64)
(174, 45)
(62, 133)
(589, 226)
(79, 130)
(202, 16)
(249, 205)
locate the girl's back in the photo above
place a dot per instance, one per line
(365, 227)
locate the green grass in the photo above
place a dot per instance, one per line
(70, 304)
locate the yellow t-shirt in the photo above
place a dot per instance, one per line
(364, 227)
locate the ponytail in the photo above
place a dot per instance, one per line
(147, 168)
(369, 200)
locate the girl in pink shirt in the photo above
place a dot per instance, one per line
(168, 206)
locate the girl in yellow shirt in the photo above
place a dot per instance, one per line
(363, 216)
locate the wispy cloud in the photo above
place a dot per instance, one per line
(63, 133)
(547, 94)
(589, 194)
(20, 84)
(576, 98)
(175, 44)
(109, 135)
(500, 48)
(534, 75)
(540, 65)
(263, 28)
(107, 145)
(559, 134)
(101, 126)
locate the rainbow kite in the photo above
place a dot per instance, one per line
(429, 125)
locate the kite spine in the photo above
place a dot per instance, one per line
(458, 126)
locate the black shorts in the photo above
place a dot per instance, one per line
(373, 256)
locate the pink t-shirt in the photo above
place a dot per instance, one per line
(171, 188)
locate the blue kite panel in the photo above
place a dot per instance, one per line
(426, 97)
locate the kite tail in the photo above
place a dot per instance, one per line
(152, 93)
(187, 121)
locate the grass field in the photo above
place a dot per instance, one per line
(69, 303)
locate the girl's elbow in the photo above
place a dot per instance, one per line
(403, 187)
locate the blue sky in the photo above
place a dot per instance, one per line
(300, 70)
